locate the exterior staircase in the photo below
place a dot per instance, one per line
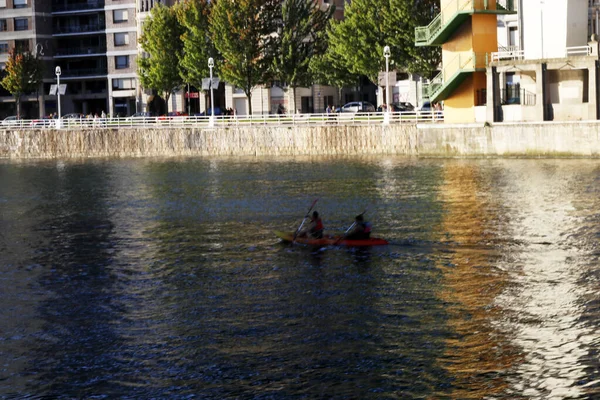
(453, 15)
(453, 74)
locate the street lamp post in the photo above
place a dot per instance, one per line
(57, 71)
(211, 64)
(386, 54)
(542, 24)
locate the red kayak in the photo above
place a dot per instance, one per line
(331, 240)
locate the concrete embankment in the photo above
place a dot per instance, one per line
(580, 139)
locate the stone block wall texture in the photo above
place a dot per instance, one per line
(577, 139)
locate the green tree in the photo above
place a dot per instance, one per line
(358, 40)
(400, 23)
(198, 47)
(298, 42)
(23, 74)
(370, 25)
(243, 32)
(161, 40)
(329, 69)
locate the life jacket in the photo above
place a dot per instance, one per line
(366, 227)
(318, 226)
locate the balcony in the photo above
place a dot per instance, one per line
(84, 72)
(454, 15)
(79, 29)
(80, 52)
(71, 8)
(453, 74)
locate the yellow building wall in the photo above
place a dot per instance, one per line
(477, 35)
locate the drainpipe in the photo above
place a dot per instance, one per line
(520, 24)
(597, 71)
(495, 88)
(544, 80)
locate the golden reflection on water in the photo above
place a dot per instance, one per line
(478, 351)
(517, 305)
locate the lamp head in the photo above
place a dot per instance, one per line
(57, 71)
(211, 62)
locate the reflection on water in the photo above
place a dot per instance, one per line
(162, 279)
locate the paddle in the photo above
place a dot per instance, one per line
(304, 220)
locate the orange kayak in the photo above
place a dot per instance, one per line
(331, 240)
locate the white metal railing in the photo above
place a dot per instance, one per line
(578, 51)
(514, 53)
(510, 53)
(204, 122)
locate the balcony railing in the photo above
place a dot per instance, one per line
(95, 27)
(81, 51)
(89, 5)
(84, 72)
(516, 95)
(514, 53)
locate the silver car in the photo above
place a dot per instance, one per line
(358, 106)
(12, 121)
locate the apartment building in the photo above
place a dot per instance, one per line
(26, 26)
(94, 42)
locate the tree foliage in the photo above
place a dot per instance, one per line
(400, 23)
(370, 25)
(198, 47)
(243, 33)
(328, 68)
(298, 41)
(161, 40)
(23, 74)
(358, 40)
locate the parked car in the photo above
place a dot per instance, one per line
(403, 106)
(43, 123)
(175, 116)
(426, 106)
(358, 106)
(12, 121)
(143, 117)
(207, 112)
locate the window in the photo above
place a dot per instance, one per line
(21, 24)
(122, 84)
(120, 16)
(121, 39)
(121, 62)
(3, 25)
(21, 46)
(3, 47)
(20, 3)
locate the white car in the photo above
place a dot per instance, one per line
(12, 121)
(358, 107)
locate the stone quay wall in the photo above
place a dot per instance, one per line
(573, 139)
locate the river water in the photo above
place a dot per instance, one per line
(162, 278)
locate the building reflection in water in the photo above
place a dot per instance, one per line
(478, 352)
(518, 304)
(545, 301)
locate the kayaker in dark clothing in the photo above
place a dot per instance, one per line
(360, 230)
(315, 228)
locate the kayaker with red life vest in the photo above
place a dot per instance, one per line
(315, 228)
(361, 229)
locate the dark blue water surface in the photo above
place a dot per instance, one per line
(163, 279)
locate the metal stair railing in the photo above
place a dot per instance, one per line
(424, 34)
(463, 62)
